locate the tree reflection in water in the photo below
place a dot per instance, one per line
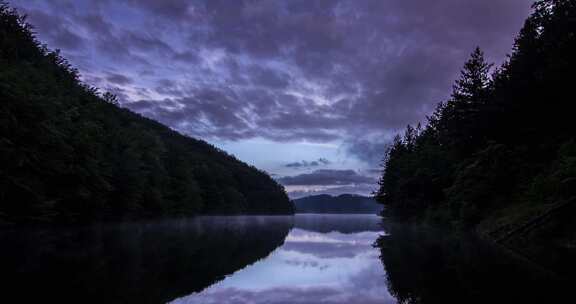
(425, 265)
(132, 263)
(326, 259)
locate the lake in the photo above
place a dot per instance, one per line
(258, 259)
(324, 259)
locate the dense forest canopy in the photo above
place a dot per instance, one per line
(70, 154)
(500, 154)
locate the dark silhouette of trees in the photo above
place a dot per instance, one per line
(500, 150)
(70, 154)
(461, 126)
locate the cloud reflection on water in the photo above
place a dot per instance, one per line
(311, 267)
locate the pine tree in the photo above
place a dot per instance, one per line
(474, 80)
(459, 121)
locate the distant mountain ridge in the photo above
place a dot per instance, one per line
(344, 203)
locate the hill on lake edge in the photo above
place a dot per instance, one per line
(341, 204)
(69, 153)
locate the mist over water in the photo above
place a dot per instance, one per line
(152, 262)
(263, 259)
(324, 259)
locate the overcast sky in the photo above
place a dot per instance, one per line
(310, 91)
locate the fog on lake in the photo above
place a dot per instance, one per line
(258, 259)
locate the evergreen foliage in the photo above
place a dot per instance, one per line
(504, 140)
(71, 154)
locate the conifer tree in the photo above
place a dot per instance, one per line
(460, 125)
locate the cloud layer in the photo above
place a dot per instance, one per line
(308, 164)
(325, 177)
(345, 71)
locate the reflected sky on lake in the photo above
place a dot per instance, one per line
(309, 259)
(311, 267)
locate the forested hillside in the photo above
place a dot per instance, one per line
(500, 154)
(341, 204)
(71, 154)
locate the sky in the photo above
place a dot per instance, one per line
(311, 91)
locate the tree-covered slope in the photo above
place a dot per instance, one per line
(68, 153)
(345, 203)
(500, 154)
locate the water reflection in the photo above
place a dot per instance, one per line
(324, 259)
(431, 266)
(254, 260)
(131, 263)
(343, 223)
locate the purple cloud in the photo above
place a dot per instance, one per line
(325, 177)
(345, 72)
(308, 164)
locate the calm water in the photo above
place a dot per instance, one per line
(324, 259)
(303, 259)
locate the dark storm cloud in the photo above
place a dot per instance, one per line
(166, 8)
(218, 112)
(118, 79)
(186, 56)
(371, 151)
(308, 164)
(345, 70)
(145, 42)
(326, 177)
(268, 77)
(95, 23)
(68, 39)
(57, 29)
